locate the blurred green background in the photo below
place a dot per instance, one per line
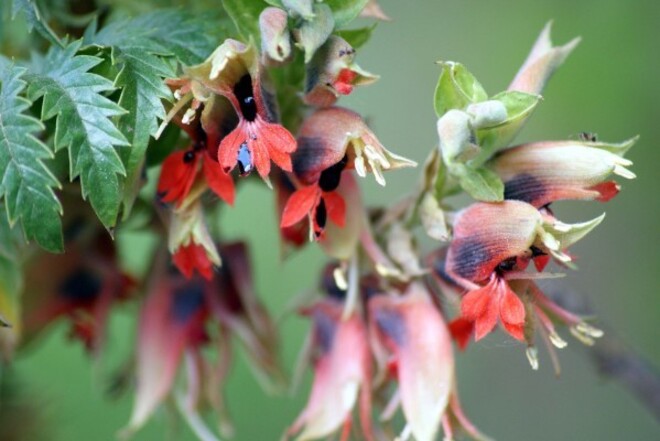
(609, 85)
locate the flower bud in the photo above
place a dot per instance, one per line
(275, 39)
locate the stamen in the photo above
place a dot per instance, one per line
(557, 340)
(585, 339)
(339, 275)
(377, 155)
(589, 330)
(360, 168)
(375, 169)
(533, 357)
(189, 116)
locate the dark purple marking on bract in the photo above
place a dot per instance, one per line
(440, 271)
(81, 286)
(325, 329)
(309, 153)
(187, 300)
(469, 255)
(524, 188)
(245, 96)
(392, 325)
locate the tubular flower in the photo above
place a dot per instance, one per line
(275, 39)
(173, 329)
(342, 373)
(233, 71)
(171, 322)
(295, 235)
(189, 242)
(543, 172)
(81, 285)
(182, 169)
(411, 330)
(335, 134)
(493, 244)
(234, 303)
(319, 202)
(333, 72)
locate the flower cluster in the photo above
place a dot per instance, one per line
(392, 305)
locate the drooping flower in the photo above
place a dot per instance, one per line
(235, 305)
(333, 72)
(411, 330)
(81, 285)
(233, 71)
(190, 243)
(318, 202)
(543, 172)
(295, 235)
(342, 374)
(178, 320)
(182, 169)
(332, 135)
(171, 323)
(493, 244)
(275, 38)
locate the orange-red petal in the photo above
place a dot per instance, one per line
(299, 205)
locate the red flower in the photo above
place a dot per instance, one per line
(492, 246)
(176, 323)
(190, 243)
(256, 140)
(342, 374)
(333, 72)
(317, 205)
(192, 257)
(81, 285)
(182, 169)
(410, 329)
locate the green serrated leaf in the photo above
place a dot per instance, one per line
(84, 123)
(26, 183)
(482, 184)
(345, 11)
(456, 88)
(142, 48)
(29, 10)
(245, 15)
(357, 37)
(519, 106)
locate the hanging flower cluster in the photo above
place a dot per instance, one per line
(381, 337)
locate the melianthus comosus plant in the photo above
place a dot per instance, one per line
(148, 122)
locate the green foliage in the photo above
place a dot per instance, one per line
(245, 15)
(10, 272)
(519, 106)
(84, 115)
(144, 50)
(482, 184)
(357, 37)
(345, 11)
(26, 182)
(29, 10)
(315, 31)
(456, 89)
